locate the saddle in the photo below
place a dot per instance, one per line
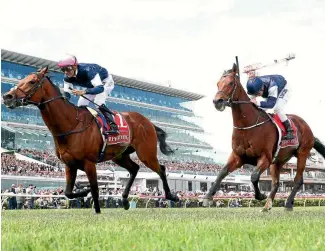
(283, 143)
(123, 138)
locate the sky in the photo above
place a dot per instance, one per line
(187, 43)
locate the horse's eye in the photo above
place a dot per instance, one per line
(32, 82)
(231, 83)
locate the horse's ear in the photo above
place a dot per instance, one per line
(44, 70)
(234, 68)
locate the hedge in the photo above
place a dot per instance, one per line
(192, 203)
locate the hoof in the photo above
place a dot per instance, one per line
(207, 201)
(126, 204)
(288, 209)
(265, 210)
(260, 196)
(97, 212)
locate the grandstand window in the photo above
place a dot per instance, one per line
(203, 186)
(190, 184)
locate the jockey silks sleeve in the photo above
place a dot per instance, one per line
(98, 86)
(271, 99)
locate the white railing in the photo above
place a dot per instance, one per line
(149, 198)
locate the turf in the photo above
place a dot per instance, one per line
(164, 229)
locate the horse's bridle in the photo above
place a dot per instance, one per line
(23, 101)
(230, 101)
(38, 84)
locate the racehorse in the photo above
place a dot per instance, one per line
(255, 141)
(78, 140)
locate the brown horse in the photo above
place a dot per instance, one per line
(78, 140)
(255, 138)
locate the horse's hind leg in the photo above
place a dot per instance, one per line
(275, 173)
(298, 181)
(133, 168)
(149, 158)
(90, 169)
(162, 174)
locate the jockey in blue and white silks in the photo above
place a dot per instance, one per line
(96, 80)
(274, 89)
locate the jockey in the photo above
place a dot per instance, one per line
(97, 81)
(274, 88)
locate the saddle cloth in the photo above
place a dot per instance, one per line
(282, 132)
(283, 143)
(122, 138)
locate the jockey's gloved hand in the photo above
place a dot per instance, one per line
(66, 95)
(78, 92)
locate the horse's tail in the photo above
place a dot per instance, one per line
(164, 147)
(319, 147)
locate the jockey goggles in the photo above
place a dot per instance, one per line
(66, 68)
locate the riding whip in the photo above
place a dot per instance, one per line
(103, 107)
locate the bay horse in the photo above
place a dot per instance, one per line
(255, 141)
(78, 140)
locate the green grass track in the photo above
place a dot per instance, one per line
(164, 229)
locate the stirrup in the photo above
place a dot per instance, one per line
(291, 136)
(111, 132)
(114, 129)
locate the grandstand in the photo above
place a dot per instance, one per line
(161, 104)
(23, 128)
(192, 168)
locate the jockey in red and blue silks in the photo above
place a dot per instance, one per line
(274, 89)
(97, 81)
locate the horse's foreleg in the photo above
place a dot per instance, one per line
(275, 173)
(90, 169)
(71, 174)
(298, 181)
(233, 163)
(133, 168)
(262, 164)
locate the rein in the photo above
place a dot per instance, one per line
(230, 102)
(24, 101)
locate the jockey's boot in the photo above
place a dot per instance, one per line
(289, 135)
(110, 119)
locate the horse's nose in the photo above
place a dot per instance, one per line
(7, 97)
(217, 101)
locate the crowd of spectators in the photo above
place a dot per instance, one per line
(26, 197)
(48, 157)
(53, 167)
(10, 165)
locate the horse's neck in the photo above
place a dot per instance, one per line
(244, 115)
(59, 116)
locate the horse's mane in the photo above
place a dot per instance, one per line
(54, 85)
(59, 91)
(226, 72)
